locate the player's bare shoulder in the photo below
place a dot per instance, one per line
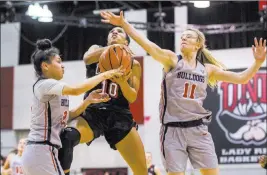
(136, 63)
(136, 68)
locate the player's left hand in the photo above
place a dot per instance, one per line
(122, 79)
(259, 50)
(97, 96)
(263, 159)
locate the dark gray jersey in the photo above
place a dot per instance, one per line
(50, 111)
(183, 93)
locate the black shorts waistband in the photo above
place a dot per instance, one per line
(43, 143)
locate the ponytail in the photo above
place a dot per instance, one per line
(205, 56)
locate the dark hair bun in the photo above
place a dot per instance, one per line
(43, 44)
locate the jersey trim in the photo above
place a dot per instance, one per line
(45, 131)
(164, 100)
(163, 140)
(55, 161)
(49, 122)
(179, 57)
(52, 157)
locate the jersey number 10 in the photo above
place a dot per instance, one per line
(188, 87)
(110, 88)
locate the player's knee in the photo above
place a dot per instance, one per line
(140, 169)
(70, 137)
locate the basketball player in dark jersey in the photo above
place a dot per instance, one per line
(151, 168)
(112, 119)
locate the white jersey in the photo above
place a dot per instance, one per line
(15, 165)
(50, 111)
(183, 93)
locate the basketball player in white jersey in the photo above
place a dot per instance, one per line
(50, 109)
(184, 131)
(13, 163)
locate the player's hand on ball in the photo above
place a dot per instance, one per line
(111, 18)
(97, 96)
(114, 73)
(122, 79)
(259, 50)
(125, 48)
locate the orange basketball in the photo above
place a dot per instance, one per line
(114, 57)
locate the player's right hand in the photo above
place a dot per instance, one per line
(111, 18)
(116, 73)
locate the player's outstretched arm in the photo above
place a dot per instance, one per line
(165, 57)
(91, 82)
(259, 52)
(93, 54)
(95, 96)
(6, 167)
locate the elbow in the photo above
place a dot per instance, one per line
(243, 81)
(132, 99)
(86, 57)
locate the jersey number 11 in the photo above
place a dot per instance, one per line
(188, 87)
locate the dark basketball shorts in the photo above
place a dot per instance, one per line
(114, 125)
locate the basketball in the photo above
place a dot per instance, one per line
(114, 57)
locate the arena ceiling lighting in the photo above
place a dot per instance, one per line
(201, 4)
(42, 14)
(114, 10)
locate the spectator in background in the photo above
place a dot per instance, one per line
(151, 168)
(5, 167)
(106, 173)
(2, 162)
(13, 163)
(263, 161)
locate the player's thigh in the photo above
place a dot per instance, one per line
(41, 160)
(212, 171)
(173, 149)
(132, 150)
(201, 148)
(83, 127)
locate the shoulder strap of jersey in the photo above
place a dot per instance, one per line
(40, 78)
(179, 57)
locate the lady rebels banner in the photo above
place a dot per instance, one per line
(239, 120)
